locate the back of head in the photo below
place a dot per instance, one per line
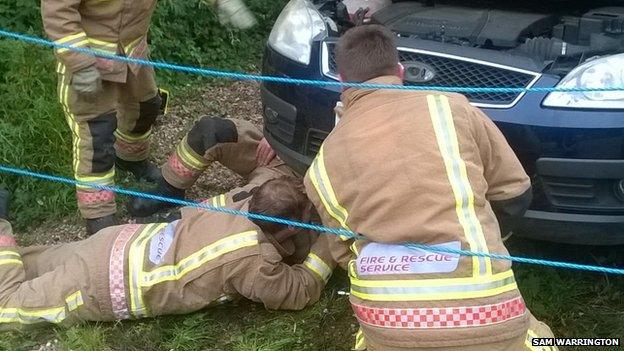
(366, 52)
(281, 197)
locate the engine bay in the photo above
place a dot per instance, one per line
(557, 35)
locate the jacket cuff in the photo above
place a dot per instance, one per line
(321, 267)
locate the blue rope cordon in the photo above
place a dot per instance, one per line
(309, 226)
(210, 72)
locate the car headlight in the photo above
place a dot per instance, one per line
(294, 30)
(605, 72)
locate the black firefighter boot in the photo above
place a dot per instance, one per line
(4, 203)
(94, 225)
(144, 169)
(141, 207)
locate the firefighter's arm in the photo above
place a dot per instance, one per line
(509, 187)
(61, 21)
(282, 287)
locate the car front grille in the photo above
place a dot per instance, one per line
(314, 140)
(455, 71)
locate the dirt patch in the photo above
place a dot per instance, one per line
(237, 100)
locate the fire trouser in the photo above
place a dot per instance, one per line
(116, 122)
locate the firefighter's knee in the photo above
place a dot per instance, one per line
(101, 129)
(209, 131)
(148, 111)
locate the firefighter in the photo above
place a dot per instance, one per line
(237, 144)
(423, 167)
(110, 106)
(135, 271)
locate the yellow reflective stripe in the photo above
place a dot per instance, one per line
(102, 43)
(74, 301)
(105, 179)
(446, 136)
(360, 342)
(130, 138)
(354, 249)
(325, 191)
(18, 315)
(30, 316)
(64, 40)
(74, 45)
(219, 200)
(435, 295)
(199, 258)
(128, 49)
(352, 269)
(9, 254)
(188, 156)
(5, 261)
(167, 95)
(71, 120)
(318, 266)
(136, 256)
(433, 289)
(434, 282)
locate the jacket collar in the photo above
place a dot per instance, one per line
(351, 96)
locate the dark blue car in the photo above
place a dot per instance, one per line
(571, 144)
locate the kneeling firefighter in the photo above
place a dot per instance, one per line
(110, 106)
(423, 167)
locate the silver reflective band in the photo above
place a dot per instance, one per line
(74, 301)
(449, 148)
(198, 259)
(407, 293)
(55, 315)
(325, 193)
(318, 266)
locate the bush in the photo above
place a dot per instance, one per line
(33, 130)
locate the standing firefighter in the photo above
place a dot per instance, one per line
(110, 106)
(423, 167)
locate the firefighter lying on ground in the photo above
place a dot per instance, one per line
(423, 167)
(110, 106)
(134, 271)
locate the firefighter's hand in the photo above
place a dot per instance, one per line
(87, 81)
(235, 12)
(264, 153)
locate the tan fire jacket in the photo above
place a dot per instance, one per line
(420, 167)
(113, 27)
(213, 256)
(134, 271)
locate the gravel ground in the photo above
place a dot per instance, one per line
(237, 100)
